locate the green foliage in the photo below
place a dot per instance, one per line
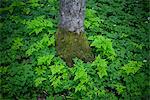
(17, 43)
(45, 41)
(81, 76)
(118, 35)
(101, 65)
(38, 24)
(39, 81)
(132, 67)
(40, 70)
(120, 88)
(45, 59)
(103, 45)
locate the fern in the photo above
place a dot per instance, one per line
(44, 42)
(39, 81)
(45, 59)
(132, 67)
(101, 65)
(103, 45)
(56, 69)
(38, 24)
(17, 43)
(40, 70)
(81, 76)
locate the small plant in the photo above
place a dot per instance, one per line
(103, 45)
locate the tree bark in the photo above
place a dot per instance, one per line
(72, 15)
(71, 41)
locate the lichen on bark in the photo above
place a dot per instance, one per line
(70, 45)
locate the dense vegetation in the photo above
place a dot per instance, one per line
(118, 34)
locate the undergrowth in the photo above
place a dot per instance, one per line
(118, 34)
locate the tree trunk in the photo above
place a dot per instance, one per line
(72, 15)
(71, 41)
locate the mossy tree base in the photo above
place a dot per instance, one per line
(70, 45)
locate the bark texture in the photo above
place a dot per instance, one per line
(72, 15)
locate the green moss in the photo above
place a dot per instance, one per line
(70, 45)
